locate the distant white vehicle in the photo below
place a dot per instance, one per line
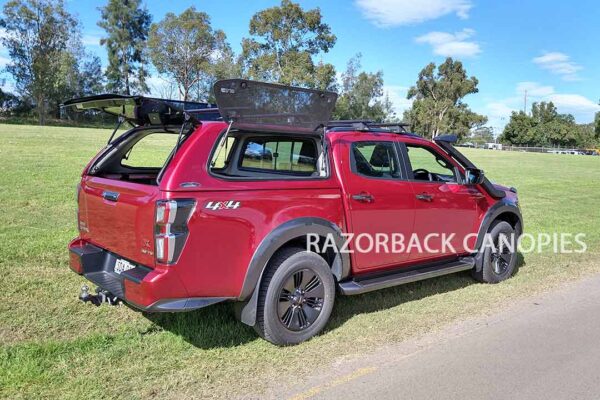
(493, 146)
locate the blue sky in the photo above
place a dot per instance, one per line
(548, 48)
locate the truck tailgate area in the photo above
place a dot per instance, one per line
(119, 216)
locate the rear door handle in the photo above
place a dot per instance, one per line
(363, 197)
(110, 196)
(425, 197)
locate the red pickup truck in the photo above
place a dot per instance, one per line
(266, 202)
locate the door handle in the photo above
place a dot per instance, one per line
(110, 196)
(363, 197)
(425, 197)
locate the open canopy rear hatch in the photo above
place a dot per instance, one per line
(144, 111)
(271, 107)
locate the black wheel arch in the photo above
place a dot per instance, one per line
(290, 233)
(503, 210)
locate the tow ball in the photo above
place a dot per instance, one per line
(101, 296)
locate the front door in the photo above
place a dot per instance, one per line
(446, 211)
(380, 202)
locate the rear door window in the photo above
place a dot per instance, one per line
(375, 160)
(281, 155)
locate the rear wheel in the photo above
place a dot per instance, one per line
(296, 297)
(499, 254)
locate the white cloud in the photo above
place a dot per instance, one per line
(386, 13)
(559, 64)
(534, 89)
(91, 40)
(397, 95)
(498, 109)
(451, 44)
(575, 104)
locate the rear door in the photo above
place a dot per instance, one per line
(446, 211)
(117, 206)
(119, 217)
(380, 202)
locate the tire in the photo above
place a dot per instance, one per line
(287, 314)
(497, 267)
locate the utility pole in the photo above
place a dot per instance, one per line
(525, 102)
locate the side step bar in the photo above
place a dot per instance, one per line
(358, 285)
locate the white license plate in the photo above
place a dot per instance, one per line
(122, 266)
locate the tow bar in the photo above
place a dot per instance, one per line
(101, 296)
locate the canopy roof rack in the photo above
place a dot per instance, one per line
(368, 125)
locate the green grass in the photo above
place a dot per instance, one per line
(54, 346)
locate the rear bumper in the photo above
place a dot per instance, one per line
(143, 288)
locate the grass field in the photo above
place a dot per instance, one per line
(52, 345)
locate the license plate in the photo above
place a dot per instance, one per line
(122, 266)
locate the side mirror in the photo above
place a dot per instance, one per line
(473, 176)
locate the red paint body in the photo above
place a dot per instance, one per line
(221, 243)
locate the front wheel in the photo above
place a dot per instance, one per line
(499, 254)
(296, 297)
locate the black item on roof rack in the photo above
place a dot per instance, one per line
(448, 138)
(366, 125)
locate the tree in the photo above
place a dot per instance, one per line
(586, 137)
(518, 129)
(438, 101)
(188, 50)
(37, 37)
(362, 95)
(9, 103)
(126, 25)
(546, 127)
(484, 134)
(284, 41)
(597, 125)
(225, 65)
(91, 78)
(80, 72)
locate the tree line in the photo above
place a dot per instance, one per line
(544, 126)
(285, 44)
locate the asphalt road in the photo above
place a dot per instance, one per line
(547, 347)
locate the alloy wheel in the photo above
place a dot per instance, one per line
(501, 257)
(300, 300)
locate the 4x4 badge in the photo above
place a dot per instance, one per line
(222, 205)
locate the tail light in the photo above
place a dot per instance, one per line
(171, 228)
(78, 194)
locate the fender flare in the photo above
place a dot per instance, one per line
(284, 233)
(503, 206)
